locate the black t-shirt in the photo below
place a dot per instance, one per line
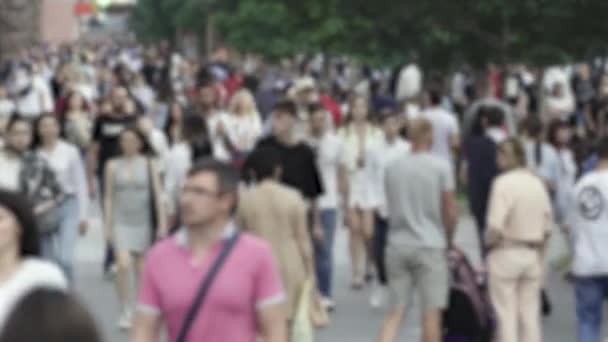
(299, 167)
(106, 132)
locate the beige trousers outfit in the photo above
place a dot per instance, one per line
(519, 223)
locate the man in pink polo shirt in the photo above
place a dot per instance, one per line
(246, 297)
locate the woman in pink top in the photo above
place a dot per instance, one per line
(519, 223)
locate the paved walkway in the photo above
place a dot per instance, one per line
(353, 321)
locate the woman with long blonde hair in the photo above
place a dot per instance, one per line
(244, 126)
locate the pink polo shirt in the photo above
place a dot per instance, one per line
(248, 281)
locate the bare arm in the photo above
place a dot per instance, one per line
(107, 200)
(163, 228)
(92, 165)
(272, 322)
(449, 215)
(147, 328)
(303, 239)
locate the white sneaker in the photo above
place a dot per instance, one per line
(125, 320)
(379, 297)
(328, 304)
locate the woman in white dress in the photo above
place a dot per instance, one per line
(360, 139)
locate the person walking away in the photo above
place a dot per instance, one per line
(422, 217)
(481, 168)
(277, 214)
(22, 269)
(360, 140)
(134, 212)
(586, 222)
(543, 160)
(66, 162)
(519, 223)
(39, 309)
(244, 299)
(392, 147)
(446, 132)
(329, 152)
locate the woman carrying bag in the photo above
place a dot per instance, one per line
(135, 215)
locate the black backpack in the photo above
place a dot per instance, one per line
(468, 317)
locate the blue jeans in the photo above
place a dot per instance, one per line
(324, 252)
(590, 293)
(59, 246)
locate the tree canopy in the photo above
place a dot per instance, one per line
(387, 32)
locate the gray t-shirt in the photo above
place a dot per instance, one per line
(414, 187)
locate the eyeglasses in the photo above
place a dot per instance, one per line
(200, 192)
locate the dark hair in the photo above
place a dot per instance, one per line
(262, 163)
(553, 129)
(285, 106)
(21, 208)
(171, 121)
(40, 309)
(534, 129)
(37, 140)
(15, 119)
(194, 131)
(435, 97)
(227, 175)
(146, 148)
(315, 107)
(602, 148)
(495, 116)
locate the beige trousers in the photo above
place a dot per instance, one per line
(515, 280)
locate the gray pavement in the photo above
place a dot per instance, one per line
(353, 320)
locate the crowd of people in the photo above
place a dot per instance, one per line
(222, 186)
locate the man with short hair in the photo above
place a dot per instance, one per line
(245, 298)
(587, 222)
(422, 220)
(446, 132)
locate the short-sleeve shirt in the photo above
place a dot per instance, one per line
(299, 166)
(414, 186)
(106, 132)
(445, 126)
(248, 281)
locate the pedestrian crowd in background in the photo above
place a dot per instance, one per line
(222, 185)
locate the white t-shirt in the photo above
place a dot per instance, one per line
(34, 274)
(386, 154)
(445, 126)
(220, 149)
(330, 154)
(410, 82)
(9, 172)
(244, 131)
(38, 100)
(588, 219)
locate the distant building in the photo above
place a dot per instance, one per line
(59, 23)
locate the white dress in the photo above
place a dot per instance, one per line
(361, 177)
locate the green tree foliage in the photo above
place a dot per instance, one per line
(439, 32)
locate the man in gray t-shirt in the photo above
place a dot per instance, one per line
(422, 220)
(415, 185)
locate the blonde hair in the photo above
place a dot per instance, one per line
(513, 149)
(420, 130)
(243, 102)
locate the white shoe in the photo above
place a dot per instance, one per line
(328, 304)
(379, 297)
(125, 320)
